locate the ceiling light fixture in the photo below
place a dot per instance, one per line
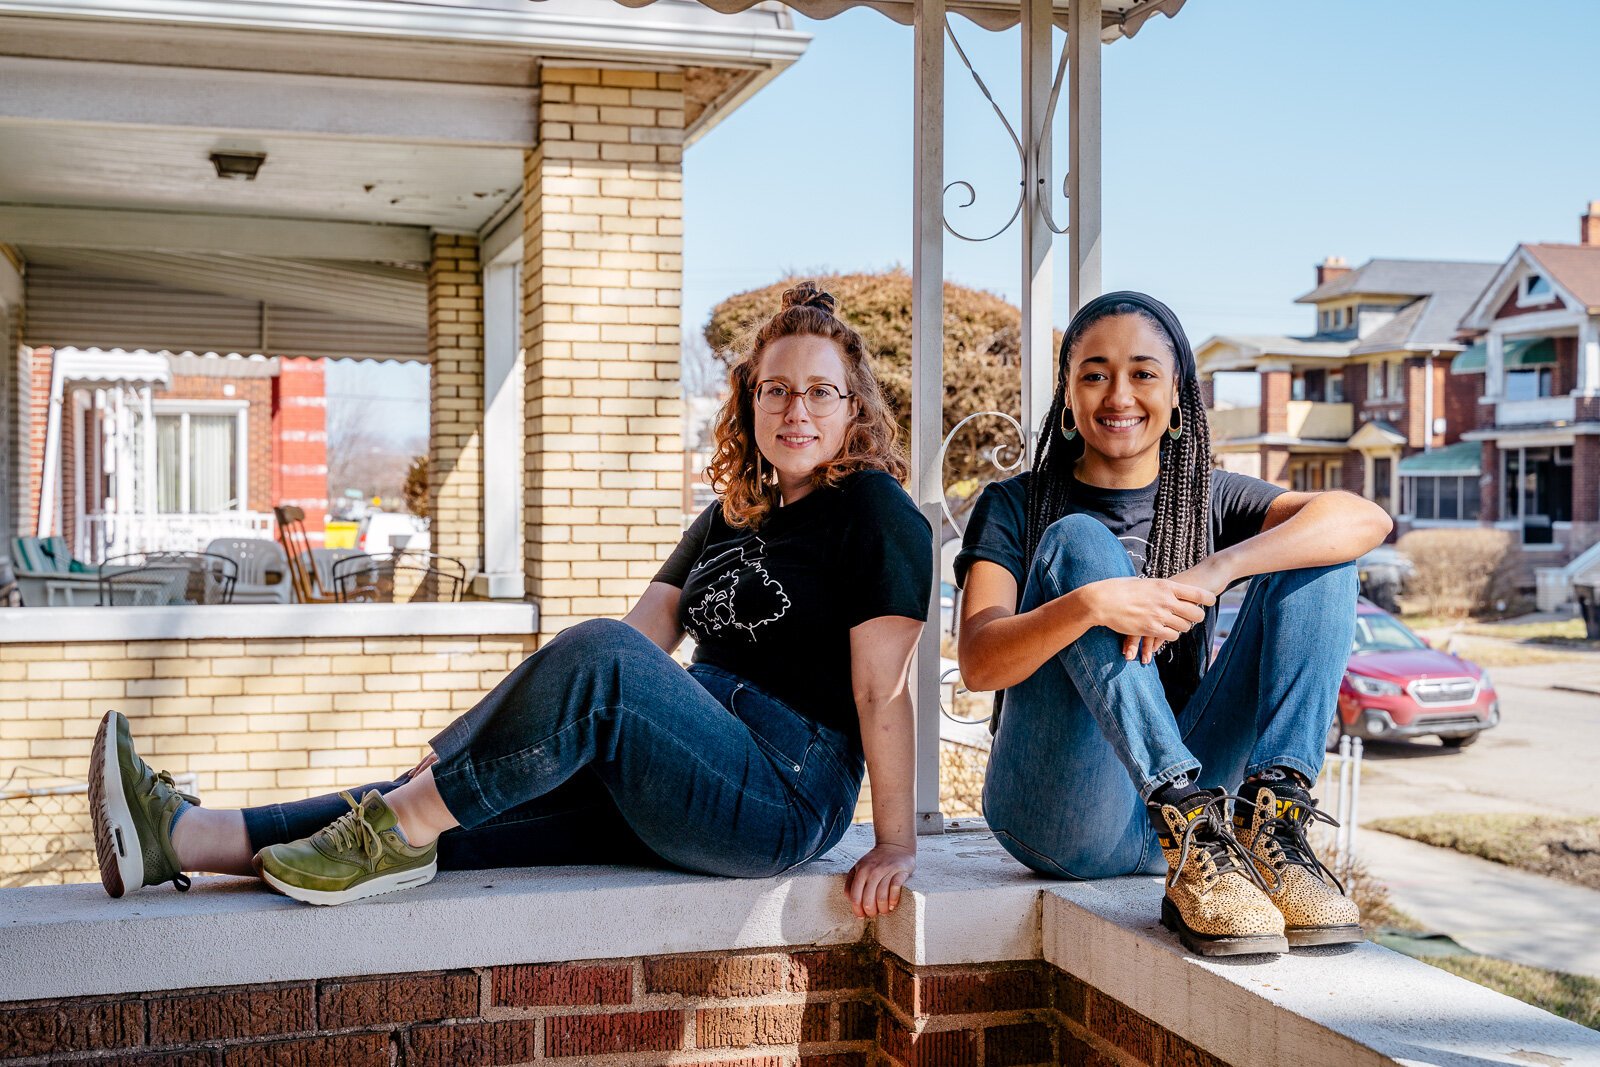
(238, 166)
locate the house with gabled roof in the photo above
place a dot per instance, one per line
(1346, 405)
(1535, 354)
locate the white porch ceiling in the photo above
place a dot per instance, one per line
(444, 187)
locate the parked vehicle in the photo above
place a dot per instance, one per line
(1384, 572)
(1396, 686)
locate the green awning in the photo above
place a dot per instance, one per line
(1529, 352)
(1461, 458)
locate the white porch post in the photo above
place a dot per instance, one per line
(502, 425)
(1083, 72)
(1589, 357)
(1038, 363)
(149, 471)
(927, 379)
(1494, 366)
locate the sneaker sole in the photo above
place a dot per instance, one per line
(116, 840)
(1307, 936)
(1219, 945)
(372, 887)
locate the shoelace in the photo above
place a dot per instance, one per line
(164, 778)
(1288, 834)
(351, 831)
(1224, 851)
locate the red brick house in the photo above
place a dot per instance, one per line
(134, 451)
(1535, 365)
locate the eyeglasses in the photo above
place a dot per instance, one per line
(820, 400)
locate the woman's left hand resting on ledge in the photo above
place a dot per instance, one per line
(880, 657)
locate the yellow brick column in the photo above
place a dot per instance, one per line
(455, 401)
(602, 290)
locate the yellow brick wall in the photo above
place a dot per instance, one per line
(257, 721)
(455, 454)
(603, 281)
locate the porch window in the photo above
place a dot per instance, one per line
(199, 453)
(1397, 380)
(1537, 490)
(1447, 497)
(1336, 387)
(1529, 383)
(1377, 382)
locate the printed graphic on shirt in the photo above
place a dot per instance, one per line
(744, 597)
(1137, 548)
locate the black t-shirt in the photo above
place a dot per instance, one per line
(995, 533)
(775, 605)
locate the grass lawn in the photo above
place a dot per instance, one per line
(1565, 848)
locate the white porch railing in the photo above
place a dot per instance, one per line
(1540, 409)
(101, 536)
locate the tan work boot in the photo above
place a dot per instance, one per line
(1216, 900)
(1315, 909)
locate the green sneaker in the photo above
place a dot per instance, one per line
(132, 808)
(359, 854)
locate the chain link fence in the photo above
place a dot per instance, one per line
(46, 836)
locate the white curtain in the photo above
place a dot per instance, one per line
(169, 457)
(211, 463)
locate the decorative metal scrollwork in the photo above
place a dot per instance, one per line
(1042, 163)
(997, 455)
(972, 194)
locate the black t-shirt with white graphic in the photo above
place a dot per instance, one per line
(996, 531)
(775, 605)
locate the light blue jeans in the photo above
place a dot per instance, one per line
(1089, 734)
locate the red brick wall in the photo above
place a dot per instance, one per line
(1354, 473)
(1489, 488)
(1462, 412)
(851, 1006)
(1585, 481)
(1510, 310)
(1565, 378)
(38, 412)
(1275, 465)
(300, 432)
(1275, 392)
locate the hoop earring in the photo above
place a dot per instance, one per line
(1068, 432)
(1175, 424)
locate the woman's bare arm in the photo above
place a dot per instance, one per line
(655, 614)
(880, 656)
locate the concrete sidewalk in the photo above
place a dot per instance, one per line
(1489, 908)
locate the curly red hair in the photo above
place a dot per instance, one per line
(871, 441)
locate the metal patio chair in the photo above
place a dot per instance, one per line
(154, 579)
(375, 579)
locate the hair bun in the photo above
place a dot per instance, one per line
(806, 294)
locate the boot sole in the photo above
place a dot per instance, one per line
(372, 887)
(1307, 936)
(1219, 944)
(116, 840)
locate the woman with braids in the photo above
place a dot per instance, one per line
(1090, 585)
(805, 586)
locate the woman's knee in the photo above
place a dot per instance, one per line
(1075, 860)
(1333, 583)
(1078, 549)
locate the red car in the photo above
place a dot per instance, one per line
(1396, 686)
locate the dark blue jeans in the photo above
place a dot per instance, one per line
(600, 748)
(1089, 735)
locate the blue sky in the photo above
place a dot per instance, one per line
(1244, 141)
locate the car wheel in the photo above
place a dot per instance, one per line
(1459, 741)
(1335, 732)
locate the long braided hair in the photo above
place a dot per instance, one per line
(1180, 527)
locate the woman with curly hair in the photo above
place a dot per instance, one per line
(804, 586)
(1090, 589)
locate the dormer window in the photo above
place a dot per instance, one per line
(1535, 289)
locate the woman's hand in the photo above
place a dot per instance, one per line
(873, 884)
(1149, 611)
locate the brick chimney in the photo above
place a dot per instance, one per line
(1589, 226)
(1334, 266)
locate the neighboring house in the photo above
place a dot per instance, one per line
(1536, 367)
(1347, 405)
(140, 451)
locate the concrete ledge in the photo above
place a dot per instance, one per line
(972, 904)
(234, 621)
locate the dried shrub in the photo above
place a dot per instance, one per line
(416, 487)
(1458, 572)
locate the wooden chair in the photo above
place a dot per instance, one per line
(297, 547)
